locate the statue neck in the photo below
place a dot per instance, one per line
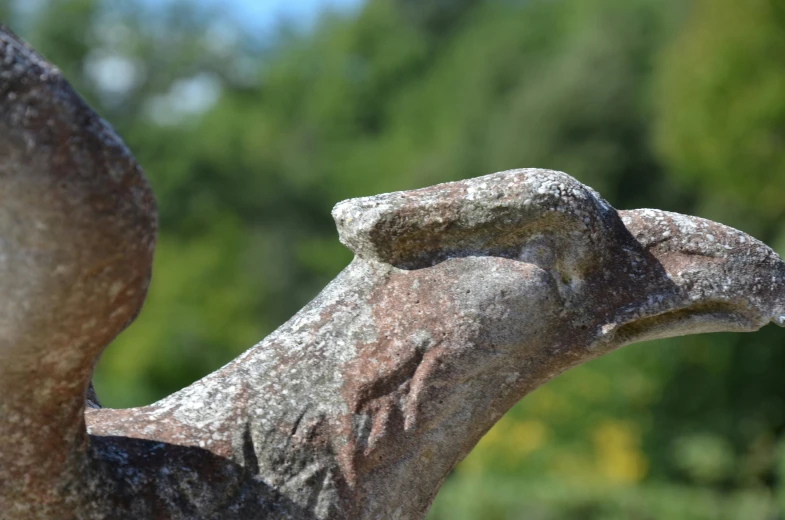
(401, 371)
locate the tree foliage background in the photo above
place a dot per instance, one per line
(248, 143)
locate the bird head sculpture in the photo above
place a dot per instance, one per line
(461, 299)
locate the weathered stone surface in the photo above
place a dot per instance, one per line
(461, 299)
(77, 226)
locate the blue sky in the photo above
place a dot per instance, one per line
(263, 14)
(259, 16)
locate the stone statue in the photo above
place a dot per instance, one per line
(460, 300)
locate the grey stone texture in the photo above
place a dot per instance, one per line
(461, 299)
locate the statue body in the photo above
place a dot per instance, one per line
(461, 299)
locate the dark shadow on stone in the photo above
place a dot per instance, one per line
(142, 479)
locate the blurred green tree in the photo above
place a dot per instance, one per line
(721, 103)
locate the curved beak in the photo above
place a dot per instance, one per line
(713, 278)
